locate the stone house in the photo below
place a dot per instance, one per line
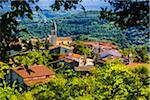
(38, 74)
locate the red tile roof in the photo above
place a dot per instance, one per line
(36, 71)
(103, 44)
(74, 55)
(62, 56)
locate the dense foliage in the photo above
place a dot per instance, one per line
(113, 81)
(82, 50)
(128, 13)
(139, 54)
(30, 58)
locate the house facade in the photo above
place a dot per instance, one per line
(64, 41)
(60, 49)
(76, 57)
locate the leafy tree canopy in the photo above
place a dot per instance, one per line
(128, 13)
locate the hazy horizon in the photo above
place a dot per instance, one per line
(45, 5)
(88, 4)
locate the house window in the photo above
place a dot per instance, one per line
(47, 76)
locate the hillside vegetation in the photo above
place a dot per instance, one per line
(84, 27)
(113, 81)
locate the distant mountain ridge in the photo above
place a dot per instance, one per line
(80, 26)
(50, 14)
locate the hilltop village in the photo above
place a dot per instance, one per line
(65, 49)
(74, 50)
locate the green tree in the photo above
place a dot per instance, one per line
(38, 45)
(3, 70)
(119, 82)
(29, 46)
(47, 44)
(129, 13)
(81, 49)
(36, 57)
(141, 54)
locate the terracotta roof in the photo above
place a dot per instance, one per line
(36, 71)
(103, 44)
(64, 39)
(74, 55)
(62, 56)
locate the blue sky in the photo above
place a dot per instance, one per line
(88, 4)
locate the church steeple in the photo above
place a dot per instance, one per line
(54, 28)
(53, 36)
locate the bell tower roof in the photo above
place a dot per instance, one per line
(54, 26)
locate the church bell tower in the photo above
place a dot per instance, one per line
(53, 35)
(54, 29)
